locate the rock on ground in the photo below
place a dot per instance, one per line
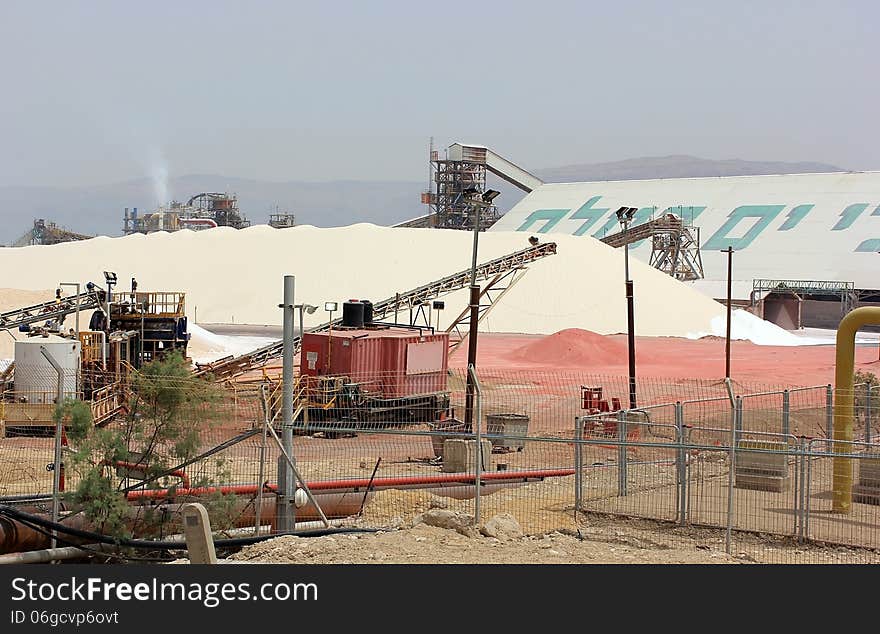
(502, 527)
(451, 520)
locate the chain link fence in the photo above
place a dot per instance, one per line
(742, 468)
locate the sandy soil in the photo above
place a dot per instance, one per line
(597, 540)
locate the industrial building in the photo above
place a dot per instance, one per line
(805, 245)
(202, 211)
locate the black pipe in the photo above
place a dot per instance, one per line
(631, 334)
(36, 520)
(729, 251)
(472, 355)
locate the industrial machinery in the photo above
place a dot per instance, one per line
(366, 373)
(463, 169)
(202, 211)
(124, 331)
(282, 221)
(675, 244)
(48, 233)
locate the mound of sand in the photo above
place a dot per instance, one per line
(235, 276)
(573, 346)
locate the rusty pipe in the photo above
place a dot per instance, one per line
(359, 483)
(16, 536)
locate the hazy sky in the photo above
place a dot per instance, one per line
(97, 92)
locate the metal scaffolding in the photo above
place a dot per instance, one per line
(675, 245)
(804, 289)
(451, 178)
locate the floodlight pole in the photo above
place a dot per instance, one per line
(474, 323)
(630, 323)
(729, 252)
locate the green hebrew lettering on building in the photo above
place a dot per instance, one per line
(795, 216)
(764, 215)
(849, 215)
(869, 246)
(588, 214)
(551, 218)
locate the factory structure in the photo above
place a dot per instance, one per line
(202, 211)
(47, 232)
(803, 253)
(805, 246)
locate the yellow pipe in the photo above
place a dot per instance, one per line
(843, 401)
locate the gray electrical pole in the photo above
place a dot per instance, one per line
(286, 514)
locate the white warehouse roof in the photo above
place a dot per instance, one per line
(794, 226)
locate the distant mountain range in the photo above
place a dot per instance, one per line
(99, 210)
(675, 166)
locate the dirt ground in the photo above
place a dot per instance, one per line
(674, 357)
(596, 540)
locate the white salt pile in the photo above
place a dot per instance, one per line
(745, 325)
(205, 346)
(235, 276)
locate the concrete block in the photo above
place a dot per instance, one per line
(757, 482)
(459, 455)
(761, 471)
(867, 491)
(869, 471)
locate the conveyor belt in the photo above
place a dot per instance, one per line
(228, 367)
(52, 309)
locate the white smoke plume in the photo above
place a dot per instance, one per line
(159, 174)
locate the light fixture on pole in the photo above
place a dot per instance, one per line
(624, 217)
(729, 252)
(110, 279)
(307, 308)
(438, 305)
(477, 202)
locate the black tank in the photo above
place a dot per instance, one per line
(353, 315)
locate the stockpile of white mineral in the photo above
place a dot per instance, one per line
(235, 276)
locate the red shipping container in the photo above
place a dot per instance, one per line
(394, 362)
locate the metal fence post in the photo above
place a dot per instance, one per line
(802, 499)
(621, 452)
(59, 430)
(681, 501)
(735, 428)
(868, 388)
(477, 420)
(829, 411)
(808, 490)
(578, 462)
(786, 412)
